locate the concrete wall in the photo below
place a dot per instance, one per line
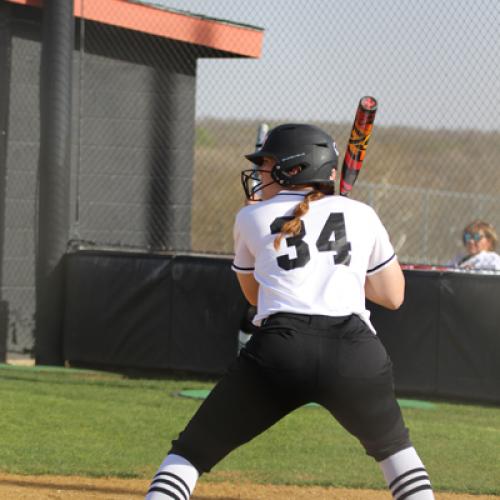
(23, 136)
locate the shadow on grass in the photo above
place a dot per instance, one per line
(71, 486)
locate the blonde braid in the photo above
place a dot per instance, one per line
(293, 226)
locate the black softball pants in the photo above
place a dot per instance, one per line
(293, 360)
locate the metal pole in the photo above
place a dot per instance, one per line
(54, 177)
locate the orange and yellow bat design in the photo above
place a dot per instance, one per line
(358, 142)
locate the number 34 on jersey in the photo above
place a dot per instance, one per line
(334, 225)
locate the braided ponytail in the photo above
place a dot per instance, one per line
(293, 226)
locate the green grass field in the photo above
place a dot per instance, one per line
(82, 422)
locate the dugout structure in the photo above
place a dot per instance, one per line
(97, 142)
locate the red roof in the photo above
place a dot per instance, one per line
(238, 39)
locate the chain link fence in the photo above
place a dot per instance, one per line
(140, 174)
(432, 162)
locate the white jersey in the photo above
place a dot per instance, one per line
(322, 271)
(484, 261)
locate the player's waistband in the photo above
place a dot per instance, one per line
(313, 320)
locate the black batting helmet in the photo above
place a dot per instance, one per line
(295, 145)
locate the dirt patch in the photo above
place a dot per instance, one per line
(17, 487)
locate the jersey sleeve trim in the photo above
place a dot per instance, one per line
(243, 270)
(381, 265)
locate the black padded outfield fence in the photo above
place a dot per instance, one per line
(171, 312)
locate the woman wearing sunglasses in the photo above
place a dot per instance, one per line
(480, 240)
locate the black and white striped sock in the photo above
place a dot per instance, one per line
(175, 479)
(406, 476)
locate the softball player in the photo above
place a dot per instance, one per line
(307, 260)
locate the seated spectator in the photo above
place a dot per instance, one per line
(480, 240)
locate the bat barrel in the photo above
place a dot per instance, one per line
(261, 135)
(358, 142)
(262, 131)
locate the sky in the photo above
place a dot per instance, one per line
(430, 63)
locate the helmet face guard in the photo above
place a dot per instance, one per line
(252, 183)
(294, 145)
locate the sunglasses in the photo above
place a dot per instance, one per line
(473, 236)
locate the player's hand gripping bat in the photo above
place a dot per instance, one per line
(358, 142)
